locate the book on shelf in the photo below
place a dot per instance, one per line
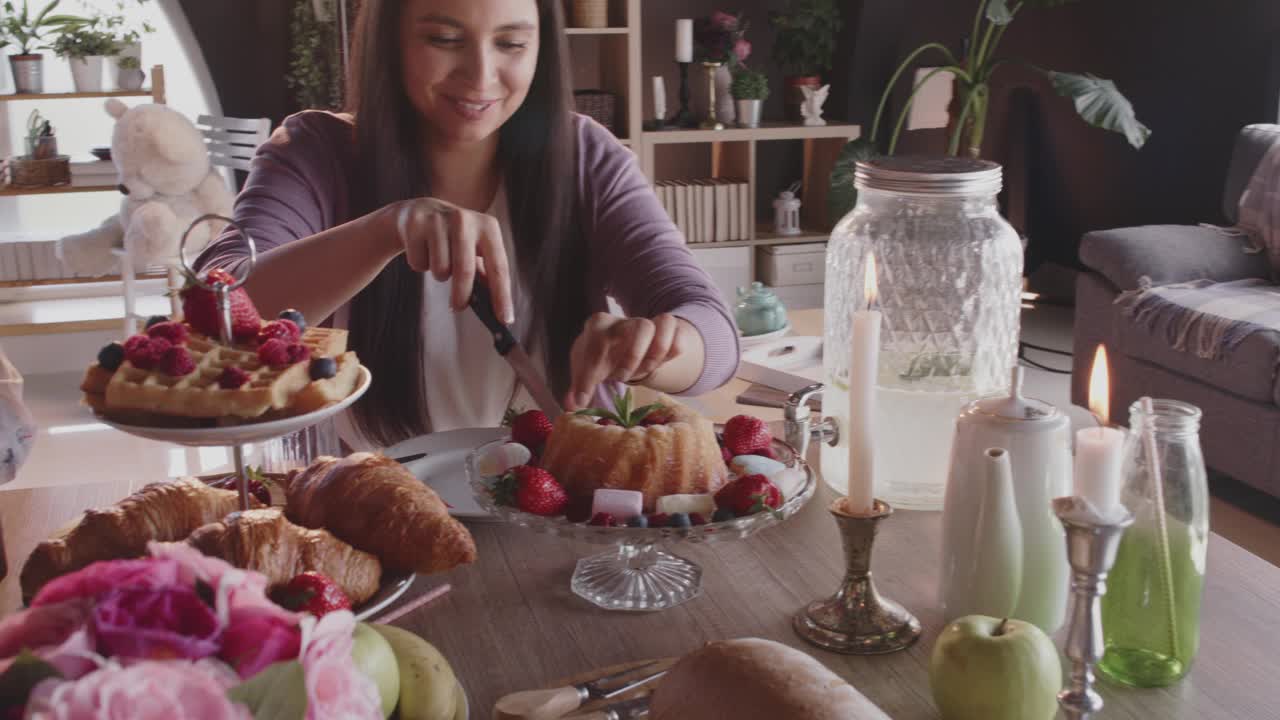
(707, 210)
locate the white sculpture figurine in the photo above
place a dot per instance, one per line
(811, 108)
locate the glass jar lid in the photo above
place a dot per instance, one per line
(929, 175)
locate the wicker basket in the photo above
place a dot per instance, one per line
(26, 172)
(590, 13)
(599, 105)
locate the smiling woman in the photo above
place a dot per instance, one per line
(461, 158)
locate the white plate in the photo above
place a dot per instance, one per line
(749, 341)
(444, 467)
(247, 433)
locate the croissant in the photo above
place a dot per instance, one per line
(263, 540)
(373, 503)
(164, 512)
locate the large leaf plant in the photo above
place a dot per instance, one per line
(1097, 101)
(27, 30)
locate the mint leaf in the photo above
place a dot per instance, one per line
(24, 673)
(279, 692)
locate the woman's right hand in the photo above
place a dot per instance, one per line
(455, 245)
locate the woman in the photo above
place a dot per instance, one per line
(462, 157)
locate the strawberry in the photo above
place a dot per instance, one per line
(532, 490)
(175, 333)
(200, 306)
(530, 428)
(311, 592)
(745, 435)
(748, 495)
(658, 416)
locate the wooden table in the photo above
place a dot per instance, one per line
(512, 623)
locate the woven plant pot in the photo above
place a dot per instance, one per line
(27, 172)
(591, 13)
(598, 105)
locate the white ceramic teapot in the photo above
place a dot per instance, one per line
(1036, 438)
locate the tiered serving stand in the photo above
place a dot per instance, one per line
(236, 437)
(635, 574)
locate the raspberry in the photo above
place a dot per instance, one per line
(175, 333)
(232, 378)
(297, 352)
(697, 518)
(274, 352)
(144, 352)
(176, 361)
(659, 520)
(607, 421)
(285, 330)
(603, 520)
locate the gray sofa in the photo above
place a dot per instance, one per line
(1239, 393)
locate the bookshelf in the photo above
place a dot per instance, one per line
(49, 316)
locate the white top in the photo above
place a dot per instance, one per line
(468, 384)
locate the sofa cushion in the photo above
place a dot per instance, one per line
(1169, 254)
(1245, 366)
(1251, 145)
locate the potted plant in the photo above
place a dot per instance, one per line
(127, 38)
(86, 48)
(26, 30)
(749, 88)
(804, 46)
(722, 46)
(129, 75)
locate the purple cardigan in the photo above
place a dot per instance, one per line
(299, 186)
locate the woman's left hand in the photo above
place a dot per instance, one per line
(622, 350)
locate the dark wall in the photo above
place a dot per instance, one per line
(1195, 70)
(246, 45)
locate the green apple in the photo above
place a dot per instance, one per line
(374, 657)
(985, 668)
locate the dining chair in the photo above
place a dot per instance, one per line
(233, 141)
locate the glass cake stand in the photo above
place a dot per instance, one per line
(635, 574)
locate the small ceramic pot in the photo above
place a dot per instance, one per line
(749, 113)
(130, 78)
(759, 311)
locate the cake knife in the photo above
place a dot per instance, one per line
(505, 343)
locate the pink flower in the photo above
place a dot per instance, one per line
(742, 49)
(100, 577)
(42, 626)
(138, 622)
(335, 688)
(257, 637)
(721, 20)
(233, 587)
(147, 690)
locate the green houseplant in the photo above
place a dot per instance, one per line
(804, 46)
(315, 68)
(129, 75)
(1096, 100)
(85, 47)
(749, 88)
(27, 30)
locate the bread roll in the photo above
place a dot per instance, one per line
(754, 679)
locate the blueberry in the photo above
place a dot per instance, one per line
(111, 356)
(323, 368)
(722, 514)
(639, 521)
(679, 520)
(156, 319)
(295, 316)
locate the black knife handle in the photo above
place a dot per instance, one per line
(482, 303)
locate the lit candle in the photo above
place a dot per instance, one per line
(1099, 449)
(684, 40)
(863, 361)
(659, 97)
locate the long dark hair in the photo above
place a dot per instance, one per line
(537, 152)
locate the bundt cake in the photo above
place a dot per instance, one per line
(659, 449)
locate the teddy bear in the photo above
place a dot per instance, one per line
(17, 428)
(167, 182)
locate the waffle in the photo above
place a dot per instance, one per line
(132, 390)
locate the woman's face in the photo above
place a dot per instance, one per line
(468, 64)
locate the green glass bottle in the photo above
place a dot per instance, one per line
(1151, 611)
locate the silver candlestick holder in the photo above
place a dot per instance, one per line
(857, 620)
(1091, 551)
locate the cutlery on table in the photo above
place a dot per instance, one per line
(625, 710)
(505, 343)
(409, 458)
(557, 702)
